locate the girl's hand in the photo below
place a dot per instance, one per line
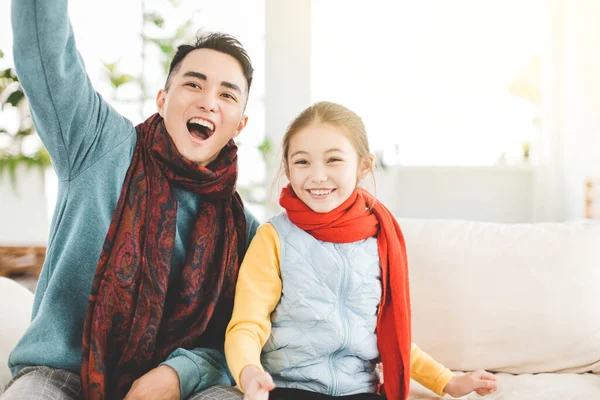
(481, 382)
(256, 383)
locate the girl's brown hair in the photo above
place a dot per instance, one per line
(336, 115)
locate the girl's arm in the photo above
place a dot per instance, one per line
(257, 293)
(439, 379)
(428, 372)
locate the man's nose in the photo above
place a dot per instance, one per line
(207, 101)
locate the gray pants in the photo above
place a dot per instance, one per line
(43, 383)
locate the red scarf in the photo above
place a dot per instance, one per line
(135, 319)
(361, 217)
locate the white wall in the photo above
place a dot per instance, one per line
(491, 194)
(23, 209)
(287, 71)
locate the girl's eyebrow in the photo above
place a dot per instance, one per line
(299, 152)
(332, 150)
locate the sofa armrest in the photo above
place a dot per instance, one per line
(16, 303)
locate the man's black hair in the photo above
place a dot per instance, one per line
(217, 41)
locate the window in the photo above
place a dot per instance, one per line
(430, 78)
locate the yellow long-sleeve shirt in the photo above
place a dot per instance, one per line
(257, 293)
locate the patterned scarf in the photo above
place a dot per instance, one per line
(132, 325)
(361, 217)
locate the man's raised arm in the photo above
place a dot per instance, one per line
(76, 125)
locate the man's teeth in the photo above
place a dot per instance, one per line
(203, 122)
(320, 192)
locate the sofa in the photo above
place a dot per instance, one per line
(520, 300)
(15, 312)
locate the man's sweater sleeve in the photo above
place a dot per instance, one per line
(428, 372)
(198, 369)
(257, 293)
(75, 124)
(251, 226)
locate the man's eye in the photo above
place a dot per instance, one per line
(193, 85)
(227, 95)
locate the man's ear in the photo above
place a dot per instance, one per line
(241, 125)
(161, 98)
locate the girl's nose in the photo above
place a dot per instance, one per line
(319, 177)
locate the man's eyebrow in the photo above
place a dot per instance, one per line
(193, 74)
(202, 77)
(232, 86)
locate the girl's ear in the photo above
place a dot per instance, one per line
(366, 166)
(286, 169)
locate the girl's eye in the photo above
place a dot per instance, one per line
(301, 162)
(333, 159)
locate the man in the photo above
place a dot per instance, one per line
(148, 232)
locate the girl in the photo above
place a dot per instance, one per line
(323, 290)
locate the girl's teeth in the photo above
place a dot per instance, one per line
(320, 192)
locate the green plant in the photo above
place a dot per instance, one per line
(116, 78)
(525, 146)
(12, 149)
(265, 148)
(153, 34)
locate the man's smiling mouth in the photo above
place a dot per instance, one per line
(200, 128)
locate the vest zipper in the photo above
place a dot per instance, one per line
(333, 379)
(343, 318)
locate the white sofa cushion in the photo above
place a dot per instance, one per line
(529, 387)
(15, 308)
(516, 298)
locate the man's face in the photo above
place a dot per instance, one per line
(204, 104)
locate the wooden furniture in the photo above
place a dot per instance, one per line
(592, 198)
(21, 260)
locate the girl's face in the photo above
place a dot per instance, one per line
(323, 167)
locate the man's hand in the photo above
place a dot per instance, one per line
(481, 382)
(256, 383)
(161, 383)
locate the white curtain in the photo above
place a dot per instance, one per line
(568, 145)
(548, 190)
